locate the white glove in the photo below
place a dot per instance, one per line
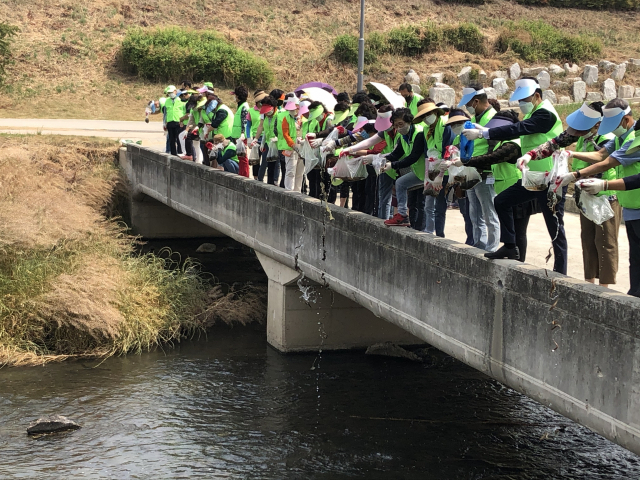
(563, 180)
(274, 140)
(367, 159)
(254, 142)
(386, 166)
(242, 137)
(437, 183)
(592, 186)
(311, 136)
(329, 147)
(458, 163)
(316, 143)
(523, 161)
(444, 166)
(472, 133)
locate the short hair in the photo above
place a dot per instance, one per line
(369, 128)
(425, 100)
(343, 97)
(403, 114)
(511, 115)
(495, 104)
(386, 108)
(617, 103)
(361, 97)
(458, 112)
(341, 107)
(276, 93)
(538, 90)
(218, 138)
(367, 110)
(406, 86)
(187, 83)
(597, 106)
(241, 93)
(269, 100)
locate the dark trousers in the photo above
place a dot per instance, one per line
(515, 195)
(521, 225)
(359, 195)
(283, 167)
(313, 178)
(463, 204)
(633, 234)
(371, 192)
(205, 153)
(173, 128)
(273, 169)
(415, 207)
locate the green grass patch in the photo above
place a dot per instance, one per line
(586, 4)
(172, 54)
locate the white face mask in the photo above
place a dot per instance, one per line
(404, 130)
(457, 129)
(526, 107)
(471, 110)
(172, 95)
(589, 136)
(620, 131)
(430, 120)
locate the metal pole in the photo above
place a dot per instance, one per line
(361, 48)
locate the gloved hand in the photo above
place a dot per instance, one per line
(367, 159)
(563, 180)
(444, 166)
(316, 143)
(310, 136)
(458, 163)
(242, 137)
(209, 145)
(386, 166)
(345, 152)
(437, 183)
(341, 130)
(472, 133)
(329, 147)
(523, 161)
(592, 186)
(274, 139)
(254, 142)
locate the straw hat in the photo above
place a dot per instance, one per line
(425, 109)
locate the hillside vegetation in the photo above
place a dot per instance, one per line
(68, 64)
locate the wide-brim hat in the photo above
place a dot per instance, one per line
(425, 109)
(290, 106)
(316, 112)
(468, 94)
(170, 88)
(360, 122)
(259, 96)
(304, 107)
(611, 119)
(524, 89)
(383, 121)
(456, 119)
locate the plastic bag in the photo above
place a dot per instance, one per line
(596, 209)
(432, 164)
(560, 164)
(333, 136)
(535, 181)
(272, 153)
(311, 156)
(241, 148)
(254, 155)
(378, 162)
(466, 146)
(350, 169)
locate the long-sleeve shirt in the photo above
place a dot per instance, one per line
(632, 182)
(546, 149)
(508, 152)
(412, 157)
(285, 132)
(541, 121)
(244, 112)
(219, 116)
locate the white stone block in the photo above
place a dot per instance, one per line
(590, 74)
(556, 69)
(544, 79)
(500, 85)
(412, 77)
(625, 91)
(550, 95)
(593, 97)
(618, 72)
(579, 91)
(464, 75)
(609, 90)
(447, 95)
(436, 77)
(514, 71)
(564, 100)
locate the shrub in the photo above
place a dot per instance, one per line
(536, 40)
(587, 4)
(176, 53)
(7, 32)
(415, 39)
(345, 48)
(465, 37)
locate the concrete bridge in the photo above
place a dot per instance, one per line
(570, 345)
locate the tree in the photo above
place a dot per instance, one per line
(7, 32)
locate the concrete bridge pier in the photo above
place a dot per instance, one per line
(304, 316)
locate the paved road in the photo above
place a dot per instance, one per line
(152, 136)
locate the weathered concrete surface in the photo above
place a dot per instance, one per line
(569, 345)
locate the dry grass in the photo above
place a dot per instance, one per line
(70, 281)
(67, 64)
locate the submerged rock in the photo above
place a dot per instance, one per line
(51, 424)
(206, 248)
(389, 349)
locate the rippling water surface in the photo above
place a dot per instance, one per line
(230, 407)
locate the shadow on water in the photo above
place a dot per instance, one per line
(228, 406)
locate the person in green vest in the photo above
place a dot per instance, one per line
(412, 99)
(267, 132)
(222, 119)
(175, 108)
(240, 117)
(541, 123)
(163, 108)
(482, 212)
(227, 157)
(619, 154)
(251, 129)
(287, 139)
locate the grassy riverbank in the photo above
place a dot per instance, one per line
(71, 281)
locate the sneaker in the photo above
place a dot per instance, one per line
(186, 157)
(504, 252)
(397, 221)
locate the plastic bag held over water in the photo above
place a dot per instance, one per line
(466, 146)
(254, 155)
(241, 148)
(272, 153)
(560, 168)
(534, 181)
(432, 164)
(332, 137)
(596, 209)
(349, 169)
(378, 161)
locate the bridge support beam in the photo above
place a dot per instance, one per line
(325, 320)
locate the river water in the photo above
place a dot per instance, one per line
(229, 407)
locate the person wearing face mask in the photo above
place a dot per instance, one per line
(482, 212)
(412, 99)
(621, 155)
(287, 137)
(268, 132)
(227, 158)
(409, 152)
(541, 123)
(317, 119)
(222, 118)
(175, 109)
(253, 123)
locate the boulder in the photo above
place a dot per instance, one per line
(389, 349)
(606, 66)
(609, 90)
(564, 100)
(491, 92)
(635, 62)
(560, 85)
(499, 74)
(593, 97)
(436, 77)
(206, 248)
(618, 72)
(556, 69)
(441, 85)
(590, 74)
(572, 69)
(416, 88)
(573, 79)
(544, 79)
(445, 94)
(500, 85)
(535, 71)
(625, 91)
(51, 424)
(464, 75)
(514, 71)
(412, 77)
(636, 94)
(550, 95)
(482, 76)
(579, 91)
(503, 103)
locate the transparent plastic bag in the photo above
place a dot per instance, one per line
(332, 137)
(254, 155)
(310, 155)
(241, 148)
(377, 162)
(560, 164)
(432, 164)
(535, 181)
(350, 169)
(272, 153)
(468, 177)
(596, 209)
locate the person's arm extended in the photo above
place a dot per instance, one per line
(509, 152)
(546, 149)
(416, 152)
(285, 132)
(366, 144)
(221, 114)
(596, 168)
(260, 128)
(591, 157)
(541, 121)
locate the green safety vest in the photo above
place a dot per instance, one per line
(226, 127)
(231, 146)
(628, 198)
(390, 146)
(481, 145)
(176, 109)
(255, 121)
(413, 106)
(236, 131)
(268, 130)
(282, 143)
(529, 142)
(417, 167)
(589, 147)
(506, 174)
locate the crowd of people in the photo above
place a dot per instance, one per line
(410, 163)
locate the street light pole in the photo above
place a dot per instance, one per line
(361, 48)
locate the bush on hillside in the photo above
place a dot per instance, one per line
(536, 41)
(587, 4)
(345, 48)
(465, 37)
(167, 54)
(7, 32)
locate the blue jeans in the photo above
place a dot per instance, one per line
(436, 211)
(463, 204)
(385, 187)
(230, 166)
(402, 185)
(486, 225)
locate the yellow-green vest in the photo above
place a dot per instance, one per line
(481, 145)
(236, 130)
(628, 198)
(226, 127)
(231, 146)
(176, 109)
(417, 167)
(255, 121)
(282, 142)
(506, 174)
(529, 142)
(391, 145)
(590, 147)
(413, 106)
